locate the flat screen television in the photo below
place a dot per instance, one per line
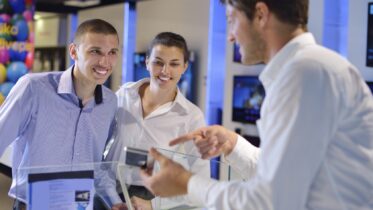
(140, 71)
(187, 83)
(370, 85)
(248, 96)
(236, 53)
(369, 56)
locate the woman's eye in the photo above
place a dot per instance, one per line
(158, 63)
(174, 64)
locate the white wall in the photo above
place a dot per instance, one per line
(113, 14)
(190, 18)
(46, 32)
(316, 11)
(315, 19)
(357, 36)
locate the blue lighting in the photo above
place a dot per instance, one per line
(215, 70)
(129, 41)
(73, 27)
(335, 24)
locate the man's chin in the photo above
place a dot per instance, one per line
(252, 62)
(101, 82)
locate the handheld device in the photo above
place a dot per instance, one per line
(136, 157)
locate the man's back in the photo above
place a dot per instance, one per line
(344, 179)
(317, 119)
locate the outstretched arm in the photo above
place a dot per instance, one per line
(215, 140)
(211, 141)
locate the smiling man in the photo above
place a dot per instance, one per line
(63, 118)
(316, 125)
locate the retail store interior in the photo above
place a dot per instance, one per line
(216, 76)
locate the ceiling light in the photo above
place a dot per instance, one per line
(81, 3)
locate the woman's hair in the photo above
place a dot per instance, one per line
(170, 39)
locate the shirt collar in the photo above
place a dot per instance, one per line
(275, 65)
(66, 86)
(179, 102)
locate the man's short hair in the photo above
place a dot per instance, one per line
(294, 12)
(95, 26)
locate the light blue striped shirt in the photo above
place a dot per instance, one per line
(42, 115)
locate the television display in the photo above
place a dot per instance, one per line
(140, 71)
(369, 56)
(248, 96)
(236, 53)
(187, 83)
(370, 85)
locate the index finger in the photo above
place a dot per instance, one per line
(157, 155)
(184, 138)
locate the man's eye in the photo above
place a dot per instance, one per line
(113, 53)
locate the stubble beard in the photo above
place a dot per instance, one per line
(254, 53)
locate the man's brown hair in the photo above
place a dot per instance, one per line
(97, 26)
(294, 12)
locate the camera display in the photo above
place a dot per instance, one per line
(136, 157)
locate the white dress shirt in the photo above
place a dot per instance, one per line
(167, 122)
(316, 131)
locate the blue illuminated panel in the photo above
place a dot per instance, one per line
(369, 58)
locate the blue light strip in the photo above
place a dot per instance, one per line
(215, 62)
(73, 27)
(129, 41)
(215, 70)
(335, 26)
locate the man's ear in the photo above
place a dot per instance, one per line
(72, 51)
(262, 13)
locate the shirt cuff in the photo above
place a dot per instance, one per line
(155, 202)
(241, 145)
(198, 188)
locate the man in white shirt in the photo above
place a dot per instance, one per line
(316, 125)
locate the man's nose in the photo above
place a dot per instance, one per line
(104, 60)
(231, 38)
